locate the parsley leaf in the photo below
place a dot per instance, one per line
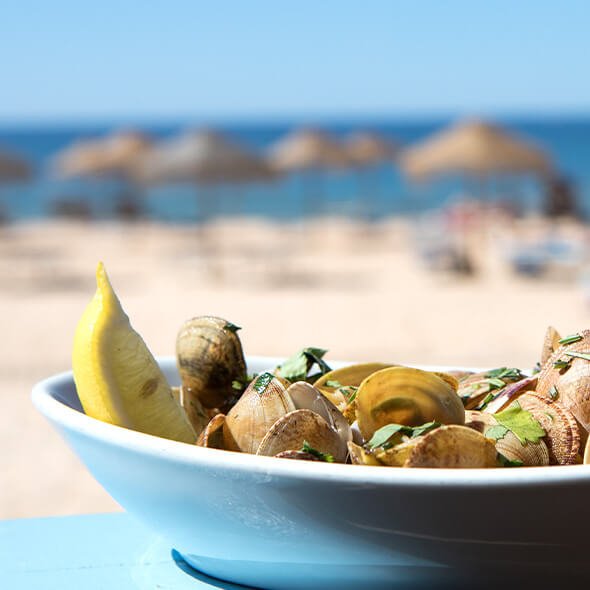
(383, 435)
(505, 462)
(307, 448)
(297, 367)
(333, 383)
(496, 432)
(571, 339)
(521, 423)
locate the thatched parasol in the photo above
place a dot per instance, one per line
(367, 150)
(113, 156)
(309, 151)
(13, 168)
(204, 157)
(474, 148)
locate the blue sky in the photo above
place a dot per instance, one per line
(253, 59)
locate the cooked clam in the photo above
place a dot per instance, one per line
(360, 456)
(452, 446)
(479, 389)
(510, 393)
(212, 435)
(529, 454)
(296, 428)
(562, 430)
(210, 361)
(402, 395)
(565, 378)
(306, 396)
(338, 384)
(550, 344)
(261, 405)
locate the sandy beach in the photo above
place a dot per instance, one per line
(359, 291)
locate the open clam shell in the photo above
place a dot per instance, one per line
(562, 430)
(550, 344)
(569, 385)
(351, 375)
(263, 403)
(511, 392)
(529, 454)
(360, 456)
(452, 446)
(403, 395)
(307, 397)
(480, 389)
(210, 359)
(212, 435)
(292, 430)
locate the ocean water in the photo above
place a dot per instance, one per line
(380, 192)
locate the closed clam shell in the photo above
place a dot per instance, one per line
(452, 446)
(290, 432)
(212, 435)
(403, 395)
(260, 406)
(530, 454)
(210, 359)
(562, 430)
(306, 396)
(550, 344)
(570, 386)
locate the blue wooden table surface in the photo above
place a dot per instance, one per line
(92, 552)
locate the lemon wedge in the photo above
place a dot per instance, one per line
(117, 378)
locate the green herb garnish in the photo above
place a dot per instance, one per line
(232, 327)
(262, 382)
(496, 383)
(496, 432)
(383, 435)
(333, 383)
(571, 339)
(298, 366)
(349, 392)
(521, 423)
(237, 385)
(307, 448)
(553, 393)
(505, 462)
(484, 404)
(505, 373)
(579, 355)
(561, 364)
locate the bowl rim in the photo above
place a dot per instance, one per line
(58, 412)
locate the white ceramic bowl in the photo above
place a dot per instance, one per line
(275, 523)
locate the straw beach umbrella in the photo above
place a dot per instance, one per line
(12, 169)
(203, 157)
(474, 148)
(113, 156)
(308, 151)
(366, 151)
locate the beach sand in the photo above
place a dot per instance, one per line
(359, 291)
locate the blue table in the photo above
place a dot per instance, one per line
(93, 552)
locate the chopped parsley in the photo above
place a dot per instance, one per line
(298, 366)
(571, 339)
(505, 462)
(307, 448)
(382, 436)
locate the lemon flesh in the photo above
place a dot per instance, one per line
(117, 377)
